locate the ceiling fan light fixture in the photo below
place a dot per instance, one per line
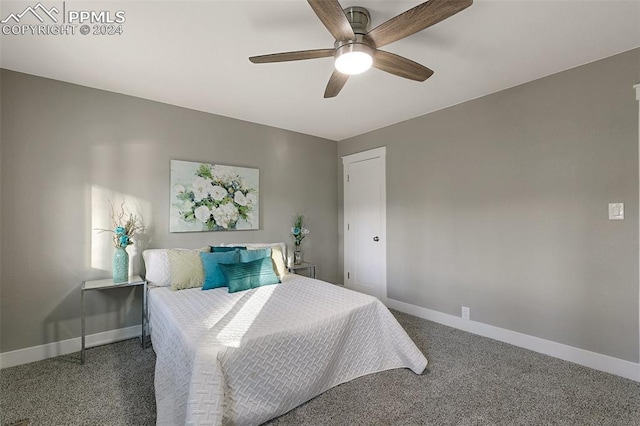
(356, 48)
(353, 58)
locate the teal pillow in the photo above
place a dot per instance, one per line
(243, 276)
(221, 249)
(213, 277)
(251, 255)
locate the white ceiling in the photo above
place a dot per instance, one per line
(194, 55)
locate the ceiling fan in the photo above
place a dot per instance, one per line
(356, 48)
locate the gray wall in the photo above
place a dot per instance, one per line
(65, 148)
(500, 204)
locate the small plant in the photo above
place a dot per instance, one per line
(298, 231)
(125, 226)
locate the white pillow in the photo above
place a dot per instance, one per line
(157, 266)
(156, 263)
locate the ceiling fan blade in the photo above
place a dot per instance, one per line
(335, 85)
(417, 19)
(292, 56)
(332, 16)
(402, 67)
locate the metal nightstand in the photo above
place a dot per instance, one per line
(310, 267)
(108, 284)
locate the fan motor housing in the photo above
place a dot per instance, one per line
(357, 45)
(359, 18)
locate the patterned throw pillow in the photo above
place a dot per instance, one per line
(277, 254)
(186, 268)
(277, 258)
(243, 276)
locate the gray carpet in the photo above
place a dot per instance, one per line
(470, 380)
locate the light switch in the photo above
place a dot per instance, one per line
(616, 211)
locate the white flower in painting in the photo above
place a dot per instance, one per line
(223, 173)
(202, 213)
(218, 192)
(218, 217)
(201, 188)
(252, 198)
(225, 215)
(231, 211)
(179, 189)
(240, 199)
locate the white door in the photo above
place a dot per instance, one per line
(365, 268)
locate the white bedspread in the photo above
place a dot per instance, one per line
(247, 357)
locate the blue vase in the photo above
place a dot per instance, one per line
(120, 265)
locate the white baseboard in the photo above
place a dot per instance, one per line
(64, 347)
(609, 364)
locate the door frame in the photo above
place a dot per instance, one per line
(637, 89)
(347, 160)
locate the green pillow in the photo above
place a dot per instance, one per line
(213, 277)
(251, 255)
(243, 276)
(221, 249)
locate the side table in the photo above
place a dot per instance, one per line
(309, 267)
(108, 284)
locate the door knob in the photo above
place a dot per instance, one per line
(376, 239)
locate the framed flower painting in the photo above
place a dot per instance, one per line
(213, 197)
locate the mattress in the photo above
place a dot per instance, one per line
(246, 357)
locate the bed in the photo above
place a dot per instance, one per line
(250, 356)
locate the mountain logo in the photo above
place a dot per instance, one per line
(39, 11)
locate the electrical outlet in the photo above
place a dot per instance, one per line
(465, 312)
